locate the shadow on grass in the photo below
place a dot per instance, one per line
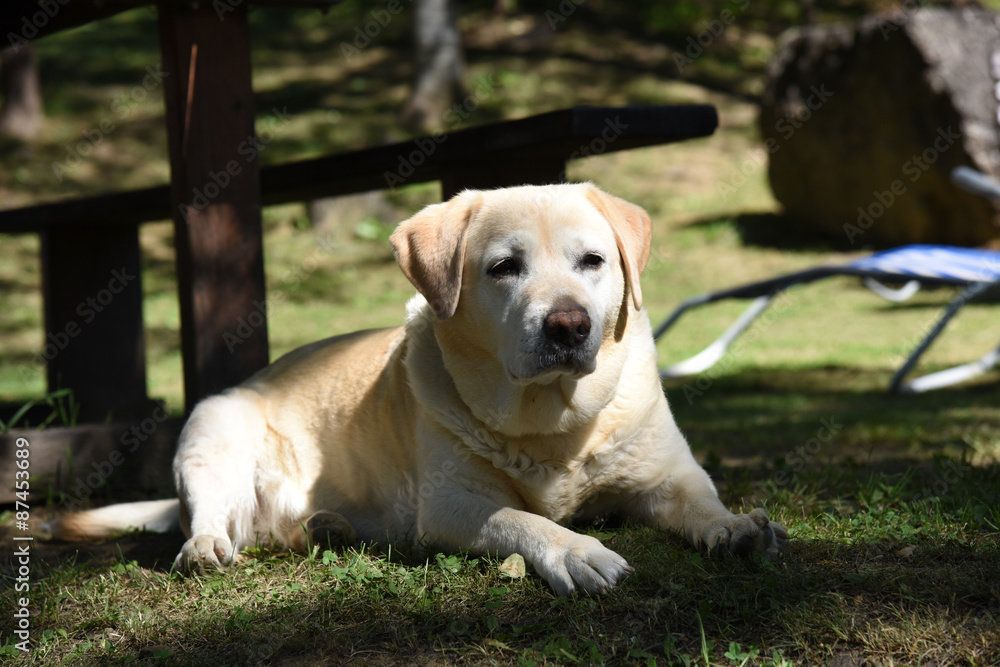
(824, 593)
(764, 418)
(774, 230)
(827, 428)
(878, 549)
(826, 589)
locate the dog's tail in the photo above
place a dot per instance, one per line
(157, 516)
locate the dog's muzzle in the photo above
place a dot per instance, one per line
(567, 340)
(567, 328)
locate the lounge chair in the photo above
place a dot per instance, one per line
(972, 270)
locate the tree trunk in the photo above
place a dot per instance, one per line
(863, 124)
(21, 116)
(440, 64)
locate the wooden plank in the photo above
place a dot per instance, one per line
(115, 209)
(498, 173)
(94, 460)
(556, 136)
(27, 21)
(216, 196)
(94, 340)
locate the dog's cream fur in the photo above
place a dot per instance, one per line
(482, 424)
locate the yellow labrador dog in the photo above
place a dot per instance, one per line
(522, 392)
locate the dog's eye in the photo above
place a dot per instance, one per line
(508, 267)
(592, 261)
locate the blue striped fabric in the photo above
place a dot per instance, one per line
(965, 265)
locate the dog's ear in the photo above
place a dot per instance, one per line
(430, 249)
(633, 231)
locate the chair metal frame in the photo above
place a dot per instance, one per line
(764, 292)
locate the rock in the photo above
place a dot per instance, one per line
(863, 124)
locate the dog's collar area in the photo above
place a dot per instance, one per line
(482, 442)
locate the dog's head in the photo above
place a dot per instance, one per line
(537, 276)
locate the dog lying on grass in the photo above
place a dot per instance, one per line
(522, 392)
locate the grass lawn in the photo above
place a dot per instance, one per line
(893, 503)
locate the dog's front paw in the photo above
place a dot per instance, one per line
(583, 564)
(203, 553)
(741, 534)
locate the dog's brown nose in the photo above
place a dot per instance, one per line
(569, 326)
